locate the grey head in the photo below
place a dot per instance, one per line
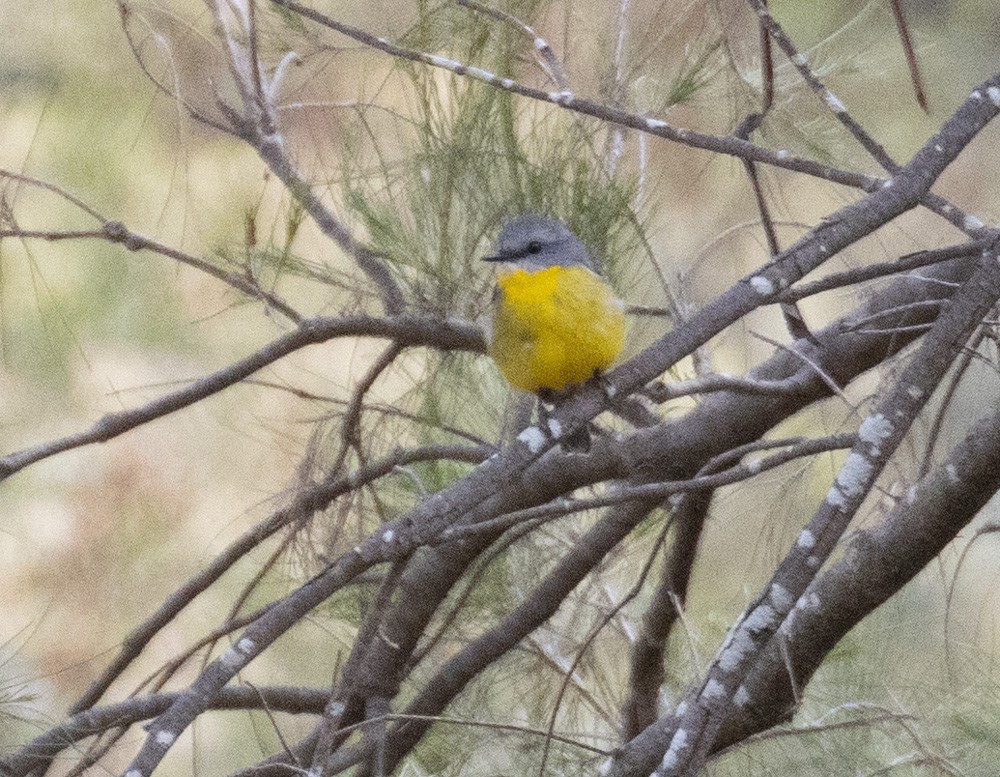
(537, 242)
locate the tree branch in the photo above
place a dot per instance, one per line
(695, 727)
(405, 330)
(41, 751)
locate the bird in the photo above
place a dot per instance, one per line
(556, 322)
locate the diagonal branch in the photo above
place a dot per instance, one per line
(305, 503)
(877, 562)
(546, 57)
(696, 724)
(722, 144)
(258, 125)
(881, 269)
(41, 751)
(406, 329)
(117, 232)
(829, 99)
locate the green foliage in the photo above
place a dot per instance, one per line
(694, 74)
(473, 157)
(980, 725)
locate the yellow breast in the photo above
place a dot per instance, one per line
(555, 327)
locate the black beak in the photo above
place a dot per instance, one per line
(498, 258)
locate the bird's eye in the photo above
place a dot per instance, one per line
(534, 247)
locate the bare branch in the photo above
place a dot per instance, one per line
(40, 752)
(258, 125)
(877, 562)
(880, 434)
(728, 145)
(405, 329)
(117, 232)
(306, 502)
(656, 491)
(911, 56)
(800, 62)
(58, 190)
(547, 58)
(880, 270)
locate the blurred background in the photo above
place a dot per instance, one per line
(92, 540)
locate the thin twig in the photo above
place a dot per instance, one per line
(117, 232)
(800, 62)
(911, 56)
(589, 640)
(812, 364)
(662, 392)
(547, 58)
(964, 361)
(649, 491)
(305, 502)
(860, 325)
(41, 751)
(881, 270)
(350, 427)
(406, 329)
(483, 566)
